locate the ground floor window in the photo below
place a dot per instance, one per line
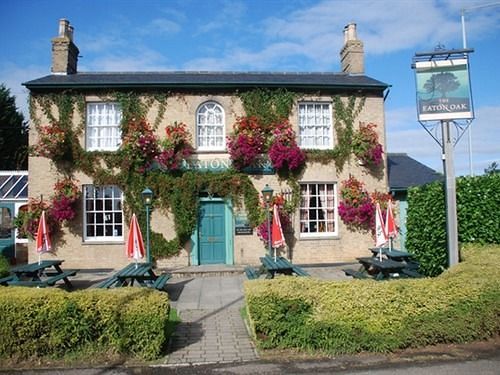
(103, 213)
(318, 209)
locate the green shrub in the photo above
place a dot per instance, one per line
(461, 305)
(50, 322)
(478, 204)
(4, 266)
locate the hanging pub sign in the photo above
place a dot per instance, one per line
(443, 89)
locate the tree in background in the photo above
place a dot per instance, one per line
(13, 133)
(492, 168)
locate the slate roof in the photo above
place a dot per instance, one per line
(405, 172)
(206, 80)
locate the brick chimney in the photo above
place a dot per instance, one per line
(64, 51)
(352, 55)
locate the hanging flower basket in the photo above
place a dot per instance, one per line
(366, 147)
(175, 148)
(357, 205)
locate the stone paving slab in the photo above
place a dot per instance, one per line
(211, 336)
(211, 329)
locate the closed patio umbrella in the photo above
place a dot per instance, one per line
(390, 224)
(380, 233)
(135, 244)
(43, 244)
(277, 237)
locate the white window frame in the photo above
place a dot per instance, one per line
(326, 204)
(206, 127)
(109, 215)
(310, 128)
(103, 124)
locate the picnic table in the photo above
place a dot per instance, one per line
(279, 265)
(382, 269)
(393, 254)
(396, 255)
(142, 273)
(39, 274)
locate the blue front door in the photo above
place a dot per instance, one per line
(7, 240)
(211, 232)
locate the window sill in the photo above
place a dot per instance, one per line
(222, 151)
(319, 237)
(103, 242)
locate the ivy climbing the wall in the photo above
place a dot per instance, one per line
(142, 160)
(146, 160)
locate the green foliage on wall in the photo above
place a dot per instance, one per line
(269, 106)
(175, 193)
(344, 116)
(478, 204)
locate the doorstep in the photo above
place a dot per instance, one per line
(207, 270)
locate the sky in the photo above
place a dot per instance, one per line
(274, 35)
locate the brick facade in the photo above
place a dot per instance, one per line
(182, 105)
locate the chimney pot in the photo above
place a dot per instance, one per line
(352, 53)
(63, 26)
(64, 51)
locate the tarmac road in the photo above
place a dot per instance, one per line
(482, 366)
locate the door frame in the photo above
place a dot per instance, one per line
(229, 230)
(12, 207)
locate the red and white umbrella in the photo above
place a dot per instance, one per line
(380, 232)
(277, 237)
(43, 244)
(390, 224)
(135, 244)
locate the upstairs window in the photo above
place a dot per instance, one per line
(315, 125)
(103, 213)
(103, 126)
(210, 127)
(318, 212)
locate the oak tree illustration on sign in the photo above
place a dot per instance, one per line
(442, 82)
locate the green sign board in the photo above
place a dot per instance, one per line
(443, 90)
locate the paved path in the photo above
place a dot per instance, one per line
(212, 329)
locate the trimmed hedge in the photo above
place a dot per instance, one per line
(53, 323)
(461, 305)
(478, 205)
(4, 266)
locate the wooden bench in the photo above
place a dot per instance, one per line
(51, 281)
(108, 283)
(5, 280)
(412, 265)
(161, 280)
(356, 274)
(411, 273)
(299, 271)
(251, 273)
(61, 276)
